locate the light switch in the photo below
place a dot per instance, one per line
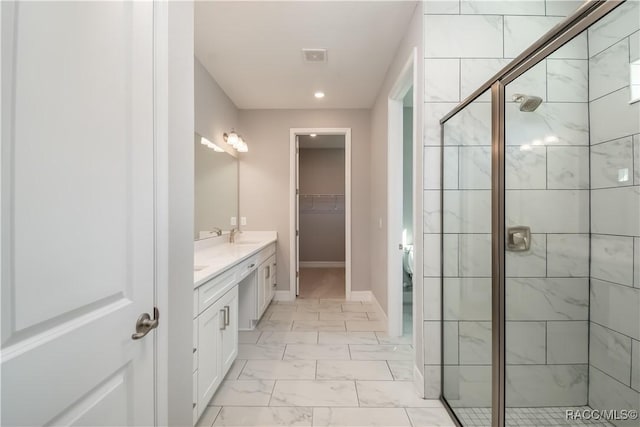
(243, 220)
(234, 220)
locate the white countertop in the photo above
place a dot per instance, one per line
(214, 255)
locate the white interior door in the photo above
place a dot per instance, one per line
(297, 172)
(77, 213)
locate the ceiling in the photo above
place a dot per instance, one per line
(253, 50)
(321, 141)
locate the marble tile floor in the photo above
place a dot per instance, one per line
(526, 417)
(338, 368)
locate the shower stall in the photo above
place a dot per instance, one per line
(541, 232)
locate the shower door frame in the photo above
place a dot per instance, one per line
(585, 16)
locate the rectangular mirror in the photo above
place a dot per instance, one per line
(216, 190)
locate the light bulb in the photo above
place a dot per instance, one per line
(232, 139)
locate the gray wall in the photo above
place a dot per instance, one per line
(179, 319)
(614, 345)
(264, 179)
(322, 227)
(378, 157)
(215, 113)
(377, 229)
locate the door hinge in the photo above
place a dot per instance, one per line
(297, 274)
(297, 191)
(297, 233)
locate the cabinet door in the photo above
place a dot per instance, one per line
(273, 281)
(230, 331)
(263, 285)
(210, 323)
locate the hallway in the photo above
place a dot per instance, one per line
(322, 362)
(322, 282)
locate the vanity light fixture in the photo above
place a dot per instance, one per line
(204, 141)
(313, 135)
(231, 138)
(319, 94)
(236, 141)
(242, 147)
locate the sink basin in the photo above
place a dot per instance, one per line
(199, 267)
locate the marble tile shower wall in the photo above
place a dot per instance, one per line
(466, 42)
(614, 350)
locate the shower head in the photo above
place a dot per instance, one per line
(528, 103)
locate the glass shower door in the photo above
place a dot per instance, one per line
(466, 287)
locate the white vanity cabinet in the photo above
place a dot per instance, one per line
(266, 283)
(229, 334)
(224, 302)
(216, 346)
(210, 325)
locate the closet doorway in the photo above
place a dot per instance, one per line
(320, 213)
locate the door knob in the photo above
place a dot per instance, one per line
(145, 323)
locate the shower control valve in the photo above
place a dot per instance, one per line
(518, 238)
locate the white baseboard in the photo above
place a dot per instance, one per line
(322, 264)
(418, 380)
(282, 296)
(375, 302)
(360, 296)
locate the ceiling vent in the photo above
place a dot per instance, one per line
(314, 55)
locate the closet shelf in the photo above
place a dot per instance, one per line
(321, 203)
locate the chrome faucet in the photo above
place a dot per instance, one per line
(217, 230)
(232, 235)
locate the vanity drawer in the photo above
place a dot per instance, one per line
(247, 266)
(195, 303)
(266, 253)
(215, 288)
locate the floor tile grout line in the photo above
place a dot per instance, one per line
(271, 395)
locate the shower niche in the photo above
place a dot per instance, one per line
(540, 323)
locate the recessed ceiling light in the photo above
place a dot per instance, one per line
(319, 94)
(312, 135)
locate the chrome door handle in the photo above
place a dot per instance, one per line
(145, 323)
(226, 316)
(268, 271)
(223, 321)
